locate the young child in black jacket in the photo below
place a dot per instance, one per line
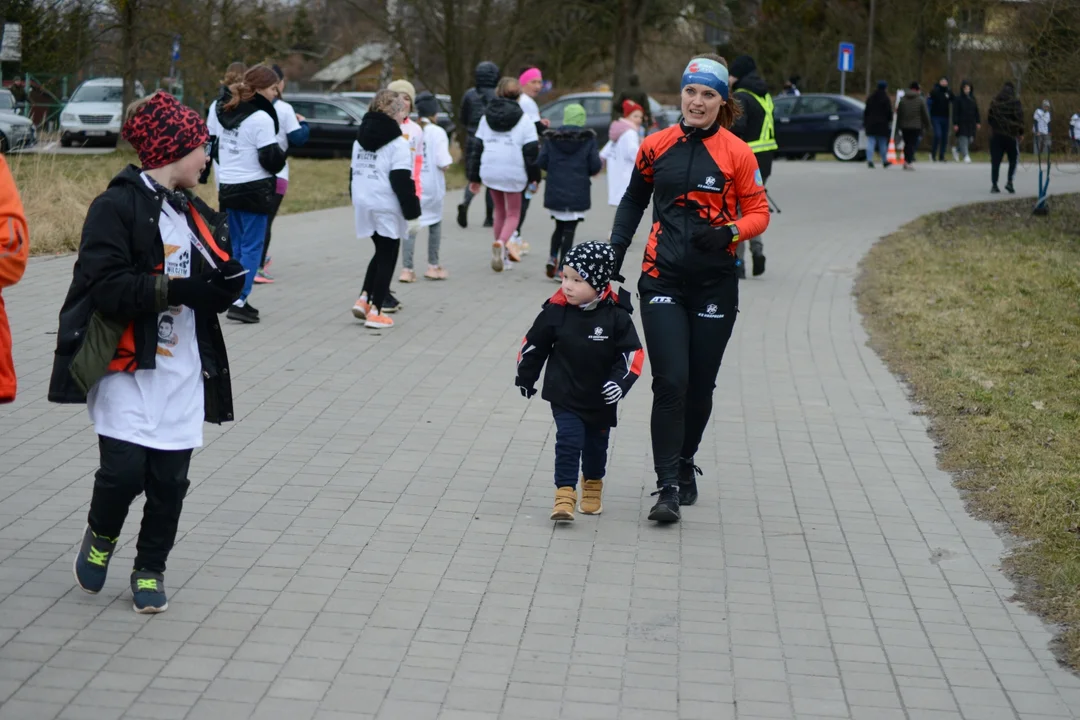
(595, 356)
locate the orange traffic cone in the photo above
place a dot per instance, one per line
(891, 156)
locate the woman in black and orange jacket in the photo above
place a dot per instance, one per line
(707, 195)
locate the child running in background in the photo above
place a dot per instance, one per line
(620, 152)
(570, 156)
(436, 158)
(384, 199)
(593, 354)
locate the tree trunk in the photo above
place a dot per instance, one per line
(627, 31)
(129, 56)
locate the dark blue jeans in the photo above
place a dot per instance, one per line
(941, 137)
(578, 446)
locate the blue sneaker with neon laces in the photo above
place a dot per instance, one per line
(148, 591)
(92, 561)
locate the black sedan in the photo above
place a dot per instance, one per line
(813, 123)
(333, 120)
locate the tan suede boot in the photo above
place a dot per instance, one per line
(592, 492)
(565, 500)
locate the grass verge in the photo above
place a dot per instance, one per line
(978, 309)
(56, 190)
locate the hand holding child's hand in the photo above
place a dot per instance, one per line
(612, 392)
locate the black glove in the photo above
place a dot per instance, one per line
(526, 392)
(713, 240)
(620, 253)
(200, 293)
(229, 278)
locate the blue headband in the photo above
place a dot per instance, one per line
(702, 71)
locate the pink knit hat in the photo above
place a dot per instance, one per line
(529, 75)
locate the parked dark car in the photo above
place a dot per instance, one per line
(445, 118)
(598, 112)
(813, 123)
(333, 120)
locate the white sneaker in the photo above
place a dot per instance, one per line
(508, 264)
(967, 159)
(956, 155)
(497, 259)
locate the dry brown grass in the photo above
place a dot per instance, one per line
(57, 189)
(979, 309)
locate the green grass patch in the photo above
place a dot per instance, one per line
(57, 190)
(978, 309)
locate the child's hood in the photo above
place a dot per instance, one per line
(231, 119)
(377, 130)
(618, 128)
(503, 114)
(569, 139)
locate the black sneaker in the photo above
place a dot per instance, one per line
(759, 265)
(994, 189)
(1010, 189)
(92, 561)
(870, 165)
(148, 592)
(666, 509)
(245, 314)
(463, 215)
(688, 473)
(391, 304)
(488, 222)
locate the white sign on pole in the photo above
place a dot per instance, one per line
(11, 43)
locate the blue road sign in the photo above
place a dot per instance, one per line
(845, 59)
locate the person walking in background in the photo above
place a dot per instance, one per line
(620, 152)
(293, 131)
(139, 339)
(754, 124)
(1042, 128)
(504, 159)
(570, 157)
(436, 158)
(877, 119)
(941, 101)
(586, 337)
(791, 86)
(233, 75)
(966, 121)
(14, 250)
(1006, 119)
(1074, 131)
(385, 204)
(473, 106)
(249, 157)
(913, 119)
(414, 135)
(532, 82)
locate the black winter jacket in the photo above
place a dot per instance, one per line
(477, 98)
(1006, 114)
(966, 113)
(108, 322)
(502, 115)
(255, 196)
(878, 115)
(584, 349)
(941, 99)
(748, 127)
(571, 158)
(377, 130)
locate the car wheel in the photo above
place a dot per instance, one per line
(845, 146)
(65, 141)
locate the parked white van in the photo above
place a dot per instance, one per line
(95, 112)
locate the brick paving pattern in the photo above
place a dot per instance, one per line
(370, 538)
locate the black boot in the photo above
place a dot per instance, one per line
(666, 509)
(1010, 189)
(688, 473)
(489, 222)
(759, 264)
(463, 215)
(994, 189)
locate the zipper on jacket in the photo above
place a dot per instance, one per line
(686, 186)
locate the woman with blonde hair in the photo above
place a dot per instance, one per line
(503, 157)
(249, 157)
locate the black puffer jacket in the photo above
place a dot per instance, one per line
(878, 115)
(966, 111)
(503, 114)
(748, 127)
(257, 195)
(1006, 114)
(571, 158)
(477, 98)
(109, 318)
(941, 99)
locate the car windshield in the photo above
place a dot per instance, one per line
(99, 93)
(357, 106)
(7, 100)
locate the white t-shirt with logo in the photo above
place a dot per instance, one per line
(238, 149)
(160, 408)
(433, 174)
(1042, 122)
(376, 207)
(529, 107)
(287, 123)
(502, 166)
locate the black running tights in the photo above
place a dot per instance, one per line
(380, 271)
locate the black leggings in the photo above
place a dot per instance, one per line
(127, 470)
(275, 205)
(380, 270)
(911, 144)
(524, 209)
(1000, 146)
(686, 333)
(563, 239)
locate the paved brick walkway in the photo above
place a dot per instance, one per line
(370, 538)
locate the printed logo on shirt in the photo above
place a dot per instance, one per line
(661, 300)
(177, 262)
(712, 184)
(711, 312)
(598, 334)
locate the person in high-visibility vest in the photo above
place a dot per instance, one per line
(757, 129)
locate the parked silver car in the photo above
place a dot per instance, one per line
(16, 132)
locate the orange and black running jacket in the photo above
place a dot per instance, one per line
(697, 179)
